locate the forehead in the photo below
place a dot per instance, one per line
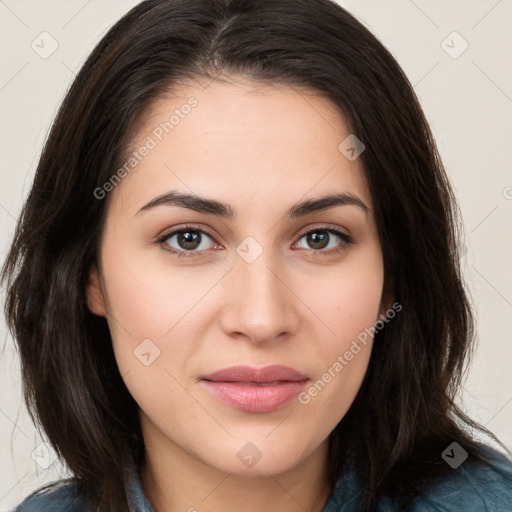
(241, 142)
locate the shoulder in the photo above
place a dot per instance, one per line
(61, 496)
(471, 487)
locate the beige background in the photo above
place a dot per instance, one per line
(467, 99)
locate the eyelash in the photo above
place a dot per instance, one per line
(346, 240)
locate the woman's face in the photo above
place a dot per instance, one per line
(262, 288)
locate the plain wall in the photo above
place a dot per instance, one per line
(467, 99)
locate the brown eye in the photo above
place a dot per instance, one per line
(320, 238)
(186, 242)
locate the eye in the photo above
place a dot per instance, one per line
(320, 238)
(188, 240)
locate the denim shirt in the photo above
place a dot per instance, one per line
(469, 488)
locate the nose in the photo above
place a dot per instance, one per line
(260, 304)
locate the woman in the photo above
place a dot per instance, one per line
(235, 282)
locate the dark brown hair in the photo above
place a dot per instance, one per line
(404, 415)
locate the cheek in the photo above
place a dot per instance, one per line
(348, 304)
(145, 297)
(347, 299)
(343, 362)
(152, 310)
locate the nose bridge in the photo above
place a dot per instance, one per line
(259, 269)
(263, 300)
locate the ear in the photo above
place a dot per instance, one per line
(94, 293)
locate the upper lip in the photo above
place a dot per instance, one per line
(259, 375)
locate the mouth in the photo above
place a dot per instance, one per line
(255, 390)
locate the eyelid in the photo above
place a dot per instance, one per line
(323, 227)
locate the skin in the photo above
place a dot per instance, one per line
(260, 150)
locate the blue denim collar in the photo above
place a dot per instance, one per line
(137, 499)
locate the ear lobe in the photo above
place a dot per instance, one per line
(94, 294)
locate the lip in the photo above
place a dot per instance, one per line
(255, 389)
(256, 375)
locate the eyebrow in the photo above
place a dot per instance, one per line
(214, 207)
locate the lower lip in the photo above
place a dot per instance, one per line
(254, 397)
